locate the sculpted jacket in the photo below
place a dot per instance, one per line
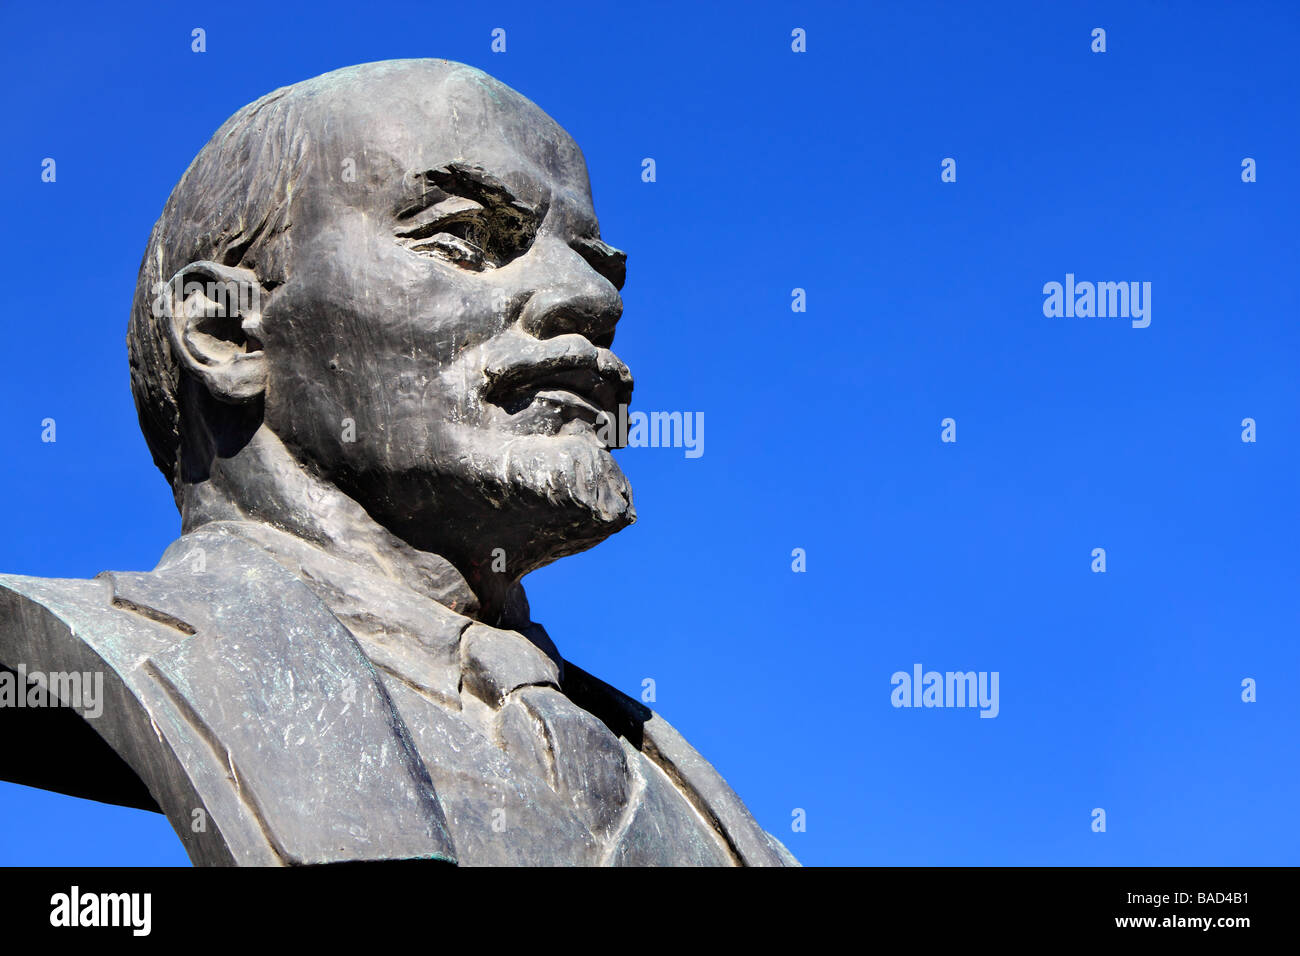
(253, 694)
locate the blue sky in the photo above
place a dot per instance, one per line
(821, 171)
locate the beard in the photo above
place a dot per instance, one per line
(489, 492)
(567, 487)
(572, 473)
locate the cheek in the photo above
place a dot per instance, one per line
(380, 394)
(377, 295)
(362, 348)
(364, 394)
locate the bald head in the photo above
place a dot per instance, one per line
(424, 316)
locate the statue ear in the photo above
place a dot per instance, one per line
(215, 324)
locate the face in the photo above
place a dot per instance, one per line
(440, 348)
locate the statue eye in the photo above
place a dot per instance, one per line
(454, 229)
(465, 216)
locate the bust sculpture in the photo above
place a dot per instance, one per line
(370, 351)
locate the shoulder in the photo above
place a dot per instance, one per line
(218, 621)
(694, 776)
(98, 719)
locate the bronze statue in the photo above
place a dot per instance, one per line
(370, 351)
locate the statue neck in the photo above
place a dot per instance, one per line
(263, 484)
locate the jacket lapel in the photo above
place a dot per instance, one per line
(322, 763)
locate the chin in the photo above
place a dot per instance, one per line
(566, 490)
(568, 472)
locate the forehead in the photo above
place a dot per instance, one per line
(414, 117)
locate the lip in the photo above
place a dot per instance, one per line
(573, 405)
(584, 381)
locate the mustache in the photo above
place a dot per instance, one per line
(517, 367)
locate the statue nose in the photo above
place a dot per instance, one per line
(575, 299)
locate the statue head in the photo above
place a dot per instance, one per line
(389, 279)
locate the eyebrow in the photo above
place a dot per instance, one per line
(473, 182)
(466, 180)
